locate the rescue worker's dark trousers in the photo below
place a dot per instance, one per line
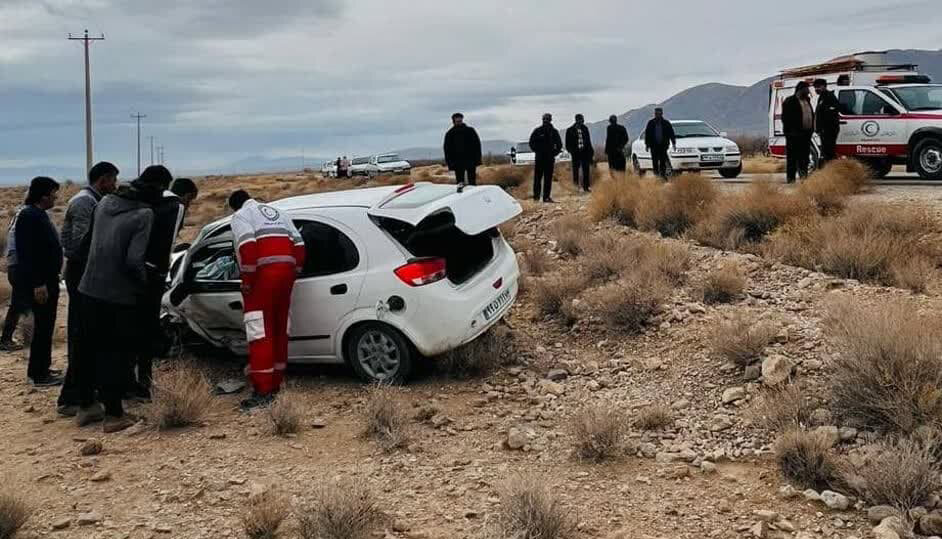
(148, 311)
(111, 331)
(466, 175)
(543, 177)
(44, 321)
(797, 156)
(659, 160)
(580, 164)
(616, 161)
(828, 148)
(79, 384)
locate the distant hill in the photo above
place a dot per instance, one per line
(493, 147)
(740, 110)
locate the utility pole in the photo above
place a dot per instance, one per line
(160, 155)
(138, 117)
(88, 97)
(151, 149)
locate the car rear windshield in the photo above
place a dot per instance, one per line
(419, 196)
(388, 158)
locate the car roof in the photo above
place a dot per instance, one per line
(688, 122)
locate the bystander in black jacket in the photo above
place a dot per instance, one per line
(572, 142)
(546, 142)
(667, 134)
(462, 148)
(827, 119)
(792, 117)
(616, 138)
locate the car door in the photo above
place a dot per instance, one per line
(329, 285)
(871, 125)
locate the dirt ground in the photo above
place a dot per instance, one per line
(194, 483)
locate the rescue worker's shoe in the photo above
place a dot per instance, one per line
(256, 401)
(92, 414)
(117, 424)
(67, 410)
(10, 346)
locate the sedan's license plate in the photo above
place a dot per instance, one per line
(712, 157)
(495, 306)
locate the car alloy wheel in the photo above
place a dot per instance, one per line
(931, 160)
(378, 355)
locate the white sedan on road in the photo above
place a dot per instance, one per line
(394, 274)
(522, 155)
(699, 147)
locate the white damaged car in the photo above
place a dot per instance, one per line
(393, 274)
(699, 147)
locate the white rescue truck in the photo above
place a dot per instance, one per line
(890, 114)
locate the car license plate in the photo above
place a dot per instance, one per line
(712, 157)
(495, 306)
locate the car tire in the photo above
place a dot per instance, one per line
(379, 353)
(635, 164)
(730, 173)
(927, 158)
(879, 167)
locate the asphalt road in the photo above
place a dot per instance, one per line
(894, 178)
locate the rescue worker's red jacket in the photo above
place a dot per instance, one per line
(265, 235)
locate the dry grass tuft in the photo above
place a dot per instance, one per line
(263, 515)
(805, 459)
(536, 261)
(483, 355)
(654, 417)
(888, 373)
(723, 285)
(553, 294)
(829, 187)
(571, 233)
(902, 473)
(674, 207)
(181, 397)
(598, 432)
(670, 260)
(782, 409)
(507, 177)
(529, 510)
(742, 340)
(605, 256)
(763, 165)
(615, 199)
(385, 418)
(14, 513)
(628, 303)
(342, 510)
(286, 413)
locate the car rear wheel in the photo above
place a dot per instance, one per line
(635, 164)
(880, 167)
(379, 354)
(731, 173)
(927, 158)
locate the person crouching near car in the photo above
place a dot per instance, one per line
(270, 251)
(114, 282)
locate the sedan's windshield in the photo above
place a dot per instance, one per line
(391, 158)
(693, 130)
(927, 97)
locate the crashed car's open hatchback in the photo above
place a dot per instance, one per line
(392, 274)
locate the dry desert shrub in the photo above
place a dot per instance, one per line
(723, 285)
(507, 177)
(674, 207)
(631, 301)
(805, 459)
(901, 473)
(654, 417)
(553, 294)
(536, 260)
(571, 233)
(742, 340)
(529, 510)
(485, 354)
(614, 199)
(342, 510)
(606, 255)
(14, 513)
(263, 515)
(385, 418)
(598, 432)
(286, 413)
(829, 187)
(763, 165)
(888, 372)
(746, 218)
(781, 409)
(671, 260)
(181, 397)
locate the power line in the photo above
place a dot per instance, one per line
(138, 117)
(88, 96)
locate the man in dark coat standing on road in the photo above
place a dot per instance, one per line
(827, 121)
(462, 150)
(658, 136)
(579, 145)
(546, 145)
(798, 125)
(616, 138)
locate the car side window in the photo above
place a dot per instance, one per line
(863, 103)
(214, 262)
(328, 250)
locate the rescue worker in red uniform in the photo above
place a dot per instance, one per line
(271, 252)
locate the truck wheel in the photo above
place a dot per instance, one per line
(635, 164)
(731, 173)
(927, 158)
(379, 353)
(880, 167)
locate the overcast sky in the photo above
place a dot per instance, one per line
(234, 78)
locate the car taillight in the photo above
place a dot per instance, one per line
(422, 272)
